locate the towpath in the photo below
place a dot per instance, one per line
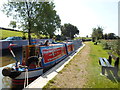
(74, 74)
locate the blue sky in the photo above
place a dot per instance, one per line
(85, 14)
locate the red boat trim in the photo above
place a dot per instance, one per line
(21, 81)
(14, 80)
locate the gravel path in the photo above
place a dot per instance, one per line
(74, 75)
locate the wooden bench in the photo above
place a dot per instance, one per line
(106, 64)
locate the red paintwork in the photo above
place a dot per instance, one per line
(53, 54)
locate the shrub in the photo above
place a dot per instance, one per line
(113, 45)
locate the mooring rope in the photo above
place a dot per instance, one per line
(26, 78)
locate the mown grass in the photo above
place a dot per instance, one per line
(8, 33)
(95, 80)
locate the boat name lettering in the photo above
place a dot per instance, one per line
(54, 58)
(51, 51)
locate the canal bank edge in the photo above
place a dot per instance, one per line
(41, 81)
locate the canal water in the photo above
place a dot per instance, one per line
(7, 60)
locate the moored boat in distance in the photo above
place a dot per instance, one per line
(19, 42)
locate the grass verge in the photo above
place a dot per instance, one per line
(8, 33)
(95, 79)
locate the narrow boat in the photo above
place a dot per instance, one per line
(36, 59)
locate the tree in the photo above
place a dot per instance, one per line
(48, 22)
(105, 36)
(37, 17)
(13, 24)
(97, 33)
(111, 36)
(86, 36)
(69, 30)
(58, 37)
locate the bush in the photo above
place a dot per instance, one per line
(113, 45)
(105, 45)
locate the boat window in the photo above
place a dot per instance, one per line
(23, 54)
(32, 51)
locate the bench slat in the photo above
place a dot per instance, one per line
(106, 64)
(102, 62)
(106, 61)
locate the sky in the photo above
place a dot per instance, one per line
(88, 14)
(85, 14)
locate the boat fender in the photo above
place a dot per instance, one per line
(6, 71)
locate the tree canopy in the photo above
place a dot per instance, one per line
(69, 30)
(13, 24)
(97, 33)
(37, 17)
(110, 36)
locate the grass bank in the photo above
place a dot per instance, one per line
(8, 33)
(83, 71)
(95, 80)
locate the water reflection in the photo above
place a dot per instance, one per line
(6, 82)
(7, 57)
(7, 60)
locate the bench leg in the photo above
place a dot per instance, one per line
(103, 70)
(115, 72)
